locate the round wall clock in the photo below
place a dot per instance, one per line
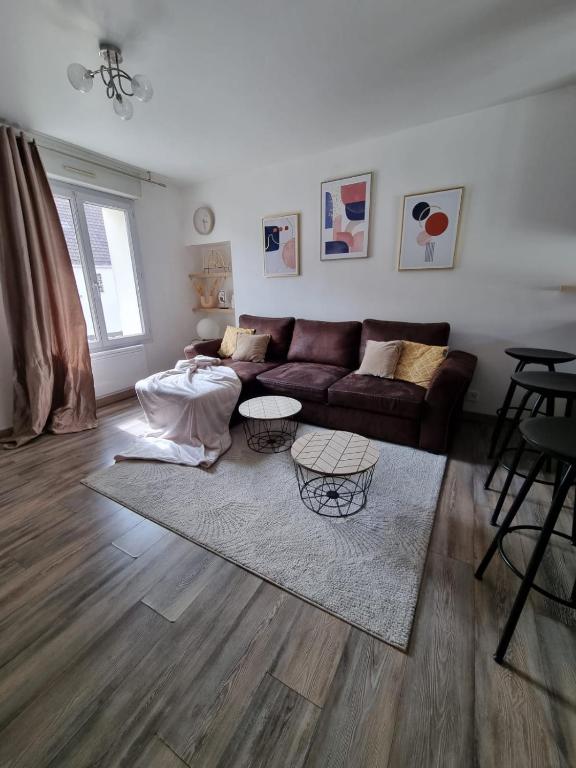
(203, 220)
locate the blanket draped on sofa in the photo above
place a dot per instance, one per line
(188, 410)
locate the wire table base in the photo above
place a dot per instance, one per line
(334, 495)
(270, 435)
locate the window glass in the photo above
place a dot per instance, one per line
(97, 228)
(69, 228)
(109, 234)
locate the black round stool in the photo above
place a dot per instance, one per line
(546, 387)
(552, 438)
(525, 356)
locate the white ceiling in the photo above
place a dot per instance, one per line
(251, 82)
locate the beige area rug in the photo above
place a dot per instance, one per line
(365, 569)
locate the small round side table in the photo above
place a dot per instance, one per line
(334, 471)
(269, 425)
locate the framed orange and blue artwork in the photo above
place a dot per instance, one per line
(429, 232)
(345, 218)
(281, 245)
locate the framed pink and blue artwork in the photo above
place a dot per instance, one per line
(280, 243)
(345, 218)
(429, 232)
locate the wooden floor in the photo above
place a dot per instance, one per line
(123, 644)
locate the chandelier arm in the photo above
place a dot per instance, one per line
(112, 70)
(116, 77)
(124, 76)
(108, 80)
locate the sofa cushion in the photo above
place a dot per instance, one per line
(380, 358)
(228, 344)
(280, 330)
(435, 334)
(370, 393)
(247, 372)
(252, 347)
(314, 341)
(419, 362)
(306, 381)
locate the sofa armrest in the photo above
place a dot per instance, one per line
(443, 401)
(209, 348)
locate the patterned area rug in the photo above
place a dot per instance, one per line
(364, 569)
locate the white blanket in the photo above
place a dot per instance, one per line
(188, 410)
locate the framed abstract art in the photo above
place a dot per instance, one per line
(429, 231)
(281, 236)
(345, 222)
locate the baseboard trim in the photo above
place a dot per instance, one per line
(115, 397)
(478, 418)
(5, 432)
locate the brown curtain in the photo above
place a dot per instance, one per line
(53, 384)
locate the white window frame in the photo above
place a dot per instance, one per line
(78, 196)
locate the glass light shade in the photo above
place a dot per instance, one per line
(142, 87)
(208, 328)
(80, 78)
(123, 108)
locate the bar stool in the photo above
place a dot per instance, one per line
(525, 356)
(546, 386)
(551, 438)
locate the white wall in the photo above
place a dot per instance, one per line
(517, 240)
(167, 291)
(166, 265)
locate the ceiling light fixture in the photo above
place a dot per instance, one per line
(120, 87)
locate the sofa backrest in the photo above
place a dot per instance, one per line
(315, 341)
(435, 334)
(280, 330)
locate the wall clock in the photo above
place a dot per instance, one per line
(203, 220)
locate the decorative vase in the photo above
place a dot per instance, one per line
(209, 302)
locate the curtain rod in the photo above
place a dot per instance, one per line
(146, 176)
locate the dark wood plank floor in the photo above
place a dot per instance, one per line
(122, 644)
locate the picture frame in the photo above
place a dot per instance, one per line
(429, 229)
(281, 245)
(345, 217)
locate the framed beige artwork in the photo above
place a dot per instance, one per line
(345, 212)
(281, 235)
(429, 231)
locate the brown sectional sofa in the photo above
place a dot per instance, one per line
(314, 361)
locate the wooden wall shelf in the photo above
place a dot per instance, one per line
(228, 310)
(206, 282)
(208, 275)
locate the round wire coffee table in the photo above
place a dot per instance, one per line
(269, 426)
(334, 471)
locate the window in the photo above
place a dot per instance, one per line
(100, 234)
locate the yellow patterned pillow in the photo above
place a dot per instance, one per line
(228, 345)
(418, 362)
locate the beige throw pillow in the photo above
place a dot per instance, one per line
(419, 362)
(380, 359)
(251, 349)
(228, 344)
